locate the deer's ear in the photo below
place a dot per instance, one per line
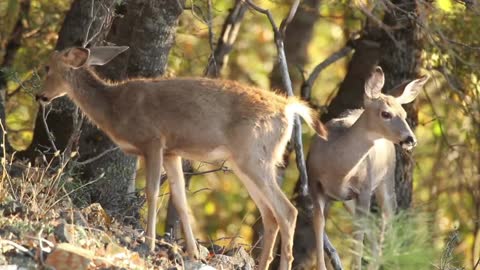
(75, 57)
(411, 90)
(374, 84)
(99, 56)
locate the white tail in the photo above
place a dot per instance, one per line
(359, 156)
(196, 118)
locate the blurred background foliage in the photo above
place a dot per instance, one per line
(447, 172)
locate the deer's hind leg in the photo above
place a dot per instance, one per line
(270, 225)
(277, 211)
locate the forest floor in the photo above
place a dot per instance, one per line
(41, 228)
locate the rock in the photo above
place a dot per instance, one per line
(240, 260)
(245, 259)
(69, 233)
(222, 262)
(96, 216)
(203, 252)
(193, 265)
(69, 257)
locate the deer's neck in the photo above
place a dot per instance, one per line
(90, 93)
(355, 143)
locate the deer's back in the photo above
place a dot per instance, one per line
(174, 109)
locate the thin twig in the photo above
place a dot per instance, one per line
(223, 169)
(90, 160)
(92, 19)
(49, 133)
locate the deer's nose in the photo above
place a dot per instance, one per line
(409, 142)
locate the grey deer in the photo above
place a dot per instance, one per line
(196, 118)
(358, 157)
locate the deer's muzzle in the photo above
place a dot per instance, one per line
(409, 143)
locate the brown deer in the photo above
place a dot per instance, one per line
(358, 157)
(196, 118)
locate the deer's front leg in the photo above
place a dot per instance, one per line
(362, 208)
(153, 163)
(173, 167)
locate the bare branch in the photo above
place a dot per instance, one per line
(306, 88)
(106, 21)
(331, 253)
(387, 29)
(210, 35)
(225, 42)
(287, 82)
(289, 18)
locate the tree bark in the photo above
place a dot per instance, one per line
(399, 64)
(14, 42)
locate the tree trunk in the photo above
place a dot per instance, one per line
(399, 64)
(13, 44)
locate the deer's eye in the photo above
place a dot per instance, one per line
(386, 115)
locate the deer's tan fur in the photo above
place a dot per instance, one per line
(358, 157)
(196, 118)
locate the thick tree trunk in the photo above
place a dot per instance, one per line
(13, 44)
(399, 64)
